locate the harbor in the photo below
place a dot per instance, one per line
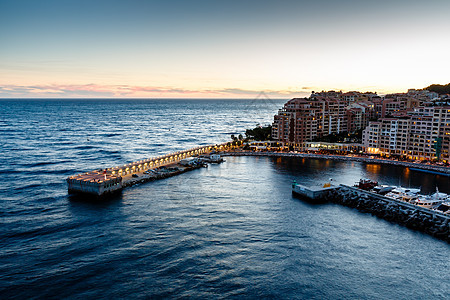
(111, 180)
(388, 202)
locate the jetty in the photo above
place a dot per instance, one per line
(432, 222)
(111, 180)
(313, 193)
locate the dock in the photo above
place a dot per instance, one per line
(313, 193)
(112, 180)
(432, 222)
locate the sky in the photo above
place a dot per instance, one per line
(220, 49)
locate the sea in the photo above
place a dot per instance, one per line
(229, 231)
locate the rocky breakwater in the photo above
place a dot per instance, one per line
(422, 219)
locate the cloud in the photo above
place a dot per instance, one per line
(130, 91)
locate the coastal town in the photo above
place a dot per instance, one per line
(270, 149)
(413, 126)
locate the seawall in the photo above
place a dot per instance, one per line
(432, 222)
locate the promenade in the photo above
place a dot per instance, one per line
(441, 169)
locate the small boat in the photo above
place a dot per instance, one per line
(366, 184)
(383, 189)
(216, 159)
(427, 202)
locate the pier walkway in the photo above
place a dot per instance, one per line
(113, 179)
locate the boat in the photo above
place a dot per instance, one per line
(403, 194)
(427, 202)
(216, 159)
(431, 201)
(366, 184)
(383, 189)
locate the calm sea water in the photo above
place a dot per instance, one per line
(229, 231)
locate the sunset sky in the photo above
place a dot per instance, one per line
(220, 49)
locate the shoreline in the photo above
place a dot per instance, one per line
(423, 167)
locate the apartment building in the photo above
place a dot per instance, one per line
(332, 114)
(441, 129)
(371, 138)
(358, 115)
(424, 134)
(421, 135)
(296, 122)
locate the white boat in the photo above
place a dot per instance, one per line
(431, 201)
(403, 194)
(427, 202)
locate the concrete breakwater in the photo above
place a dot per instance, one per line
(440, 169)
(111, 180)
(432, 222)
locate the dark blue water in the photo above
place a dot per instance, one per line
(228, 231)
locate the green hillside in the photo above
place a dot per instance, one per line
(438, 88)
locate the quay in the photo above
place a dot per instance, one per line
(315, 193)
(438, 170)
(111, 180)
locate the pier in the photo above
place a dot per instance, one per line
(432, 222)
(110, 180)
(316, 193)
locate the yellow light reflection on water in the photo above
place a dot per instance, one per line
(373, 168)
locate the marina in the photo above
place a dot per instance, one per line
(321, 193)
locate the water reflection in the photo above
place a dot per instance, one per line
(373, 168)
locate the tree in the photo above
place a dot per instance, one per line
(259, 133)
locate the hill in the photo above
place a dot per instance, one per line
(438, 88)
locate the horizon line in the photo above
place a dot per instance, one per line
(134, 98)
